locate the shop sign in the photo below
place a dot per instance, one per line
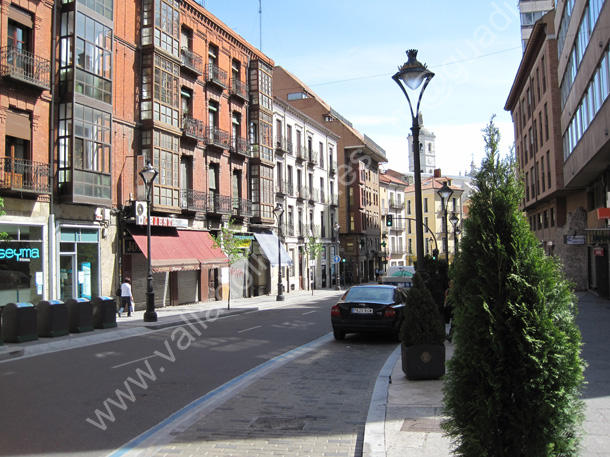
(574, 239)
(598, 251)
(130, 246)
(158, 221)
(21, 254)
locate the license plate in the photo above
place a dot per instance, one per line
(362, 310)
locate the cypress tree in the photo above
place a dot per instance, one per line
(513, 383)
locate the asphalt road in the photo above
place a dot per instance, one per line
(92, 400)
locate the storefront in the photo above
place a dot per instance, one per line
(78, 265)
(22, 263)
(185, 264)
(265, 256)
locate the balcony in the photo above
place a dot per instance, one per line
(312, 158)
(240, 146)
(21, 175)
(396, 204)
(239, 89)
(332, 167)
(216, 76)
(302, 193)
(217, 137)
(241, 207)
(314, 195)
(300, 153)
(289, 188)
(193, 128)
(219, 204)
(283, 145)
(289, 229)
(193, 200)
(334, 200)
(192, 61)
(25, 67)
(398, 226)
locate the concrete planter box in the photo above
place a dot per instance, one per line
(425, 361)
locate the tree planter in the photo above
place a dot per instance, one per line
(423, 361)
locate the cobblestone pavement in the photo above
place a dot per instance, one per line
(314, 405)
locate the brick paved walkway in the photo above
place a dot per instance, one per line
(314, 405)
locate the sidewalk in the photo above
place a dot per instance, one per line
(412, 410)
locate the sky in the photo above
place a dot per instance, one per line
(346, 51)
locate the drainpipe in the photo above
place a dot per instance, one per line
(51, 291)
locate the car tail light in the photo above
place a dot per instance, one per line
(335, 311)
(389, 312)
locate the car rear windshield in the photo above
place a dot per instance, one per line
(370, 295)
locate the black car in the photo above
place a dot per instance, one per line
(374, 308)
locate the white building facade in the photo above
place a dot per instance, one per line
(306, 187)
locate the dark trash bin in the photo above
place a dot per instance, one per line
(52, 318)
(104, 312)
(80, 315)
(19, 322)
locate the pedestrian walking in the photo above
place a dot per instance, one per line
(126, 298)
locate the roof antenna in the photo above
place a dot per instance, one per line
(260, 24)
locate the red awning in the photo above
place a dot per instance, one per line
(176, 250)
(603, 213)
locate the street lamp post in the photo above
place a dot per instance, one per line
(454, 221)
(337, 227)
(445, 192)
(278, 211)
(410, 76)
(148, 175)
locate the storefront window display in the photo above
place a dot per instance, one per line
(21, 264)
(78, 263)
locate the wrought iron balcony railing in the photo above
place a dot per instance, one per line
(283, 145)
(239, 89)
(192, 61)
(193, 128)
(396, 204)
(193, 200)
(240, 146)
(241, 207)
(333, 167)
(219, 204)
(312, 157)
(25, 176)
(217, 137)
(25, 66)
(216, 75)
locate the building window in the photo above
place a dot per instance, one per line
(19, 273)
(166, 159)
(93, 43)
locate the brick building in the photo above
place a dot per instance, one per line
(92, 91)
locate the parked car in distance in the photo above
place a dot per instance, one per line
(369, 308)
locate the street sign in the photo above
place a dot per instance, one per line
(336, 259)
